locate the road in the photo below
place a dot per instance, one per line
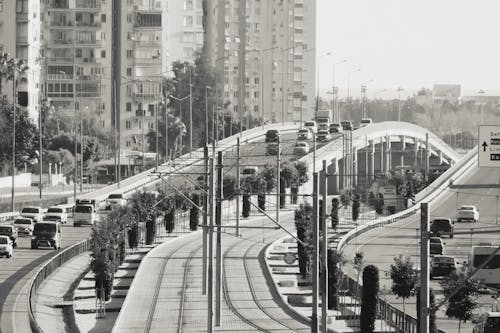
(381, 245)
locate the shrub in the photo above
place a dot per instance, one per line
(369, 299)
(334, 214)
(133, 236)
(355, 208)
(282, 192)
(194, 213)
(170, 220)
(261, 200)
(335, 262)
(303, 223)
(229, 187)
(150, 231)
(246, 205)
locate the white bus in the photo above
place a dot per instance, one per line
(490, 273)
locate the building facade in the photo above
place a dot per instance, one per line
(264, 56)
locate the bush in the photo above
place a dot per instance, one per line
(150, 232)
(246, 205)
(170, 220)
(229, 187)
(355, 209)
(282, 192)
(335, 261)
(303, 223)
(133, 236)
(369, 299)
(334, 213)
(261, 200)
(194, 213)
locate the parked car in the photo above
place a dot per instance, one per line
(442, 266)
(56, 214)
(35, 213)
(10, 231)
(347, 125)
(436, 246)
(335, 128)
(272, 149)
(489, 322)
(272, 135)
(301, 148)
(468, 212)
(304, 134)
(249, 171)
(442, 226)
(117, 199)
(6, 248)
(312, 126)
(84, 214)
(46, 234)
(323, 135)
(365, 122)
(24, 226)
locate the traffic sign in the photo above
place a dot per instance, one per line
(489, 146)
(289, 258)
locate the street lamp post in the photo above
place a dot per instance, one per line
(335, 91)
(399, 90)
(206, 113)
(349, 91)
(481, 100)
(14, 95)
(363, 96)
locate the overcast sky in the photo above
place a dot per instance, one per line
(410, 43)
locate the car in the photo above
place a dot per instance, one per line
(84, 214)
(272, 149)
(10, 231)
(442, 266)
(24, 226)
(46, 234)
(335, 128)
(249, 171)
(6, 248)
(365, 122)
(301, 148)
(347, 125)
(436, 246)
(57, 214)
(442, 226)
(304, 134)
(117, 199)
(488, 322)
(323, 135)
(312, 126)
(272, 135)
(35, 213)
(467, 212)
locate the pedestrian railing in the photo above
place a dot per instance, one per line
(44, 272)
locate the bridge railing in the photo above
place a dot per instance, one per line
(44, 272)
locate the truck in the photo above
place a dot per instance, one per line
(323, 119)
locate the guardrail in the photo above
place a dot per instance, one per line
(392, 315)
(47, 269)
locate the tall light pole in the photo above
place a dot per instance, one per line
(481, 101)
(190, 112)
(206, 113)
(399, 90)
(335, 90)
(14, 102)
(349, 91)
(317, 82)
(75, 167)
(363, 96)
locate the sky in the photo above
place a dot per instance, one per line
(409, 44)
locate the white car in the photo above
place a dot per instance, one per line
(468, 212)
(304, 134)
(56, 214)
(301, 148)
(6, 246)
(323, 135)
(24, 226)
(35, 213)
(311, 125)
(117, 199)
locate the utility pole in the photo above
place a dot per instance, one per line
(40, 159)
(218, 251)
(238, 180)
(81, 140)
(399, 90)
(278, 182)
(315, 256)
(205, 220)
(426, 157)
(211, 249)
(14, 94)
(424, 268)
(156, 130)
(190, 113)
(167, 155)
(324, 273)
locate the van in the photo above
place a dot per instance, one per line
(56, 214)
(46, 234)
(84, 214)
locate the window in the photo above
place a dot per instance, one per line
(129, 71)
(128, 106)
(188, 4)
(103, 53)
(148, 20)
(130, 53)
(103, 18)
(21, 6)
(129, 36)
(129, 18)
(151, 109)
(127, 124)
(188, 21)
(1, 6)
(199, 20)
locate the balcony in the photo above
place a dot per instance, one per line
(143, 96)
(60, 59)
(88, 24)
(88, 4)
(59, 4)
(62, 24)
(59, 77)
(61, 41)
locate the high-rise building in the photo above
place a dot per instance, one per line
(183, 30)
(264, 55)
(20, 31)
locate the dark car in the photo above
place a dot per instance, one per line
(347, 125)
(272, 135)
(442, 226)
(335, 128)
(46, 234)
(10, 231)
(436, 246)
(442, 266)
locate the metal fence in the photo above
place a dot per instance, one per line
(44, 272)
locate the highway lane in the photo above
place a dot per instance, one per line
(381, 245)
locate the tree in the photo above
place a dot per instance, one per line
(288, 176)
(302, 178)
(463, 302)
(369, 299)
(335, 262)
(303, 224)
(404, 278)
(250, 185)
(268, 176)
(334, 214)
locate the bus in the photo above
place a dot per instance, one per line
(490, 274)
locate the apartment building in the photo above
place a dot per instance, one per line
(264, 55)
(20, 30)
